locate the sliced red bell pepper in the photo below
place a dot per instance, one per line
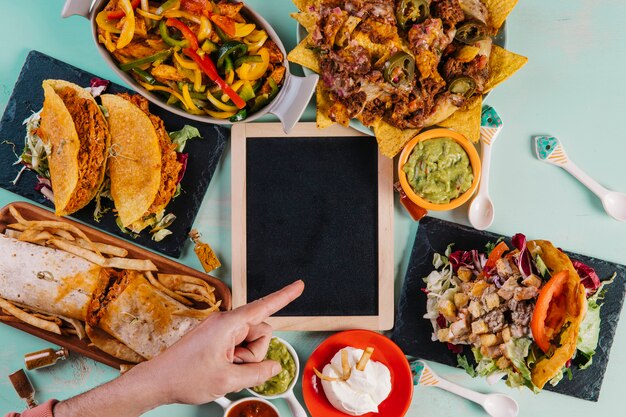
(118, 14)
(187, 33)
(550, 310)
(225, 23)
(209, 69)
(495, 254)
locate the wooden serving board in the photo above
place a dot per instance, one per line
(164, 265)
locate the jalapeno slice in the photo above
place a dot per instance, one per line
(410, 12)
(462, 85)
(471, 32)
(400, 69)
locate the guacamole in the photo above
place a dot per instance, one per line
(279, 383)
(439, 170)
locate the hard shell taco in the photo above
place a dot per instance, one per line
(77, 135)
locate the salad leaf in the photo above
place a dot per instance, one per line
(470, 259)
(180, 137)
(485, 366)
(542, 268)
(491, 245)
(97, 86)
(523, 259)
(517, 350)
(588, 277)
(462, 362)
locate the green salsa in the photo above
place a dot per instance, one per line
(439, 170)
(279, 383)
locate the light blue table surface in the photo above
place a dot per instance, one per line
(573, 87)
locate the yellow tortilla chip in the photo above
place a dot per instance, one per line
(305, 56)
(502, 64)
(135, 170)
(498, 12)
(466, 121)
(557, 261)
(390, 139)
(322, 106)
(303, 5)
(306, 19)
(375, 49)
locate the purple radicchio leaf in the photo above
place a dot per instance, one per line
(98, 85)
(182, 158)
(523, 260)
(588, 277)
(469, 259)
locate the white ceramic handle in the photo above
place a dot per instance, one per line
(79, 7)
(223, 402)
(298, 92)
(461, 391)
(485, 156)
(294, 405)
(582, 176)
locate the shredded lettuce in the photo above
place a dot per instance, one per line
(484, 365)
(462, 362)
(180, 137)
(439, 284)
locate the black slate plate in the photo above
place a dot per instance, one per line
(413, 333)
(27, 97)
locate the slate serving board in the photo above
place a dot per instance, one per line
(27, 97)
(413, 333)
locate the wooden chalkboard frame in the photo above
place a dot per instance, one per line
(243, 132)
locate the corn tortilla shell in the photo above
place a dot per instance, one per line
(556, 261)
(136, 170)
(502, 64)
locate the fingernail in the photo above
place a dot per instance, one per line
(237, 360)
(276, 368)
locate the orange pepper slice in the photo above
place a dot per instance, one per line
(550, 310)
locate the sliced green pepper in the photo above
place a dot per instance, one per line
(471, 32)
(262, 100)
(159, 56)
(220, 33)
(209, 47)
(247, 92)
(144, 76)
(462, 85)
(400, 69)
(231, 49)
(241, 115)
(165, 35)
(228, 65)
(410, 12)
(247, 58)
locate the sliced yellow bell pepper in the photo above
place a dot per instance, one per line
(182, 13)
(255, 40)
(148, 14)
(243, 29)
(237, 85)
(255, 70)
(205, 30)
(218, 104)
(186, 63)
(221, 115)
(107, 41)
(105, 24)
(188, 100)
(128, 30)
(197, 83)
(165, 89)
(230, 77)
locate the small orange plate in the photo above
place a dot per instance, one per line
(385, 352)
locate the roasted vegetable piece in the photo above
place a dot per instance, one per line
(159, 56)
(471, 32)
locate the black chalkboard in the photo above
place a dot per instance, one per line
(27, 97)
(312, 214)
(413, 333)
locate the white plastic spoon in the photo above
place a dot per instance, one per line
(496, 405)
(481, 210)
(549, 149)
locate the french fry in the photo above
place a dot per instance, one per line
(181, 299)
(198, 314)
(186, 285)
(35, 236)
(64, 234)
(133, 264)
(367, 354)
(345, 365)
(106, 249)
(12, 233)
(78, 251)
(17, 226)
(324, 377)
(29, 318)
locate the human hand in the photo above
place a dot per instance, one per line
(225, 353)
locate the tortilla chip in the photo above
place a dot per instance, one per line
(375, 49)
(135, 170)
(303, 5)
(390, 139)
(556, 261)
(108, 344)
(306, 19)
(466, 121)
(498, 12)
(305, 56)
(502, 64)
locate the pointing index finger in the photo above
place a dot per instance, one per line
(257, 311)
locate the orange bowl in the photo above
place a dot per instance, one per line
(433, 134)
(385, 352)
